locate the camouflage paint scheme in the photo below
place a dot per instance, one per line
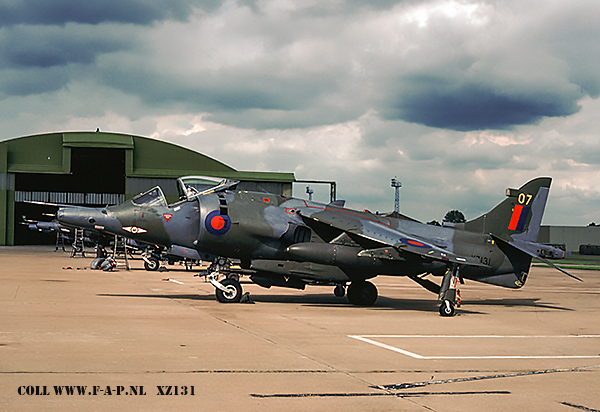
(292, 242)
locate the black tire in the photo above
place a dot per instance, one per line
(362, 293)
(339, 291)
(233, 294)
(95, 265)
(152, 264)
(233, 276)
(447, 308)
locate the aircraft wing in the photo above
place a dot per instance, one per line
(372, 235)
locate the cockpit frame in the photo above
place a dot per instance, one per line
(151, 198)
(191, 187)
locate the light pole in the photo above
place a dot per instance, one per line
(396, 185)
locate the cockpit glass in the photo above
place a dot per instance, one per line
(192, 186)
(153, 197)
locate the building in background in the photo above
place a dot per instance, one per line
(99, 169)
(570, 236)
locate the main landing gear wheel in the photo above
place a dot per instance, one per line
(233, 292)
(362, 293)
(447, 308)
(151, 264)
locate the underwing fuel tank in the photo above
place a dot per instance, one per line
(331, 254)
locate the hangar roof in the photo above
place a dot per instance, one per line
(145, 157)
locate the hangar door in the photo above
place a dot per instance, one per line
(97, 178)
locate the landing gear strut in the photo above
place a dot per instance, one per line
(449, 294)
(229, 289)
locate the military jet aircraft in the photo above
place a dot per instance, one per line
(289, 242)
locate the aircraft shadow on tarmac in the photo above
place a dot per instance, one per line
(383, 303)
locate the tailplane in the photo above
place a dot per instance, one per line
(519, 216)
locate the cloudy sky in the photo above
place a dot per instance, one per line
(458, 99)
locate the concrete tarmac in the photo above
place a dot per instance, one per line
(156, 341)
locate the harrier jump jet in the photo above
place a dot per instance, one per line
(289, 242)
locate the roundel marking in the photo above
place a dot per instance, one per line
(414, 243)
(216, 223)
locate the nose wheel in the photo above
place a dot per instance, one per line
(229, 291)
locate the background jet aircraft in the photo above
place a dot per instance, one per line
(292, 243)
(95, 236)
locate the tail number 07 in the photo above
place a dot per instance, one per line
(525, 199)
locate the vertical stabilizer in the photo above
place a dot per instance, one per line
(519, 216)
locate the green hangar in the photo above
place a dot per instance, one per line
(97, 168)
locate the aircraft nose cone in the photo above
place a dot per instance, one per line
(86, 218)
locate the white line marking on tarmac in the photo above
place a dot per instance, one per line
(176, 281)
(365, 338)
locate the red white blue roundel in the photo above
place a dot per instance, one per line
(415, 243)
(216, 223)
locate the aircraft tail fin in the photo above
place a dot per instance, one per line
(519, 216)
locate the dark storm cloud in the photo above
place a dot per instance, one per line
(497, 69)
(249, 99)
(49, 46)
(59, 12)
(262, 65)
(44, 44)
(325, 8)
(440, 104)
(42, 59)
(31, 81)
(210, 93)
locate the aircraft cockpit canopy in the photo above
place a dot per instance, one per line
(190, 187)
(153, 197)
